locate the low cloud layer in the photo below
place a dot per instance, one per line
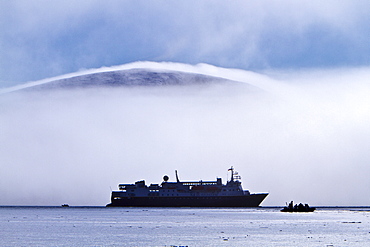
(303, 137)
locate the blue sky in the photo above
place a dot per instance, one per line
(41, 39)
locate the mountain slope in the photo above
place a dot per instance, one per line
(134, 77)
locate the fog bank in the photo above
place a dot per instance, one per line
(303, 137)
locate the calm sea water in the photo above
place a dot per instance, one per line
(99, 226)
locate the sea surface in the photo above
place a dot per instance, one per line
(100, 226)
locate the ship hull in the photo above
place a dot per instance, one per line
(252, 200)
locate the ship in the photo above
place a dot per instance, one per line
(186, 194)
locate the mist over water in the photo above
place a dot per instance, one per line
(303, 136)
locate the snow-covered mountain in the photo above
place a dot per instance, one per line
(133, 77)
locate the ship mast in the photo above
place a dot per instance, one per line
(232, 173)
(177, 177)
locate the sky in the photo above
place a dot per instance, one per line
(306, 138)
(41, 39)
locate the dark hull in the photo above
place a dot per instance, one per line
(253, 200)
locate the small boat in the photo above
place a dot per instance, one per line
(298, 208)
(65, 205)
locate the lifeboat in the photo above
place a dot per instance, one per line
(198, 187)
(212, 189)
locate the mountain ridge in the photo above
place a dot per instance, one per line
(132, 78)
(129, 78)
